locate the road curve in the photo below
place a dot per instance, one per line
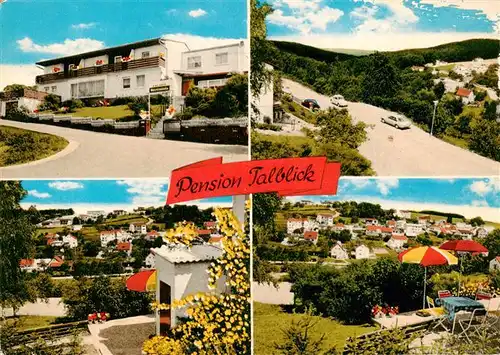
(410, 152)
(103, 155)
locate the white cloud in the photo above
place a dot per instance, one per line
(359, 183)
(68, 47)
(37, 194)
(391, 41)
(489, 8)
(65, 185)
(480, 203)
(197, 13)
(18, 74)
(198, 42)
(401, 16)
(385, 185)
(486, 186)
(304, 15)
(148, 192)
(83, 26)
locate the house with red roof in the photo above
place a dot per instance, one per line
(338, 227)
(26, 263)
(495, 264)
(374, 231)
(210, 225)
(152, 235)
(216, 240)
(311, 236)
(117, 234)
(138, 227)
(466, 95)
(204, 233)
(325, 219)
(56, 262)
(397, 241)
(124, 246)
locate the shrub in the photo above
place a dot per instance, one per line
(138, 104)
(186, 114)
(268, 126)
(51, 103)
(73, 104)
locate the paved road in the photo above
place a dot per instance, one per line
(411, 152)
(54, 307)
(91, 155)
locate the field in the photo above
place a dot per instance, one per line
(127, 219)
(271, 320)
(19, 146)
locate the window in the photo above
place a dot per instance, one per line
(141, 81)
(53, 89)
(89, 89)
(221, 58)
(194, 62)
(203, 84)
(46, 89)
(126, 83)
(145, 54)
(74, 91)
(118, 59)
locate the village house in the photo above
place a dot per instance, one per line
(325, 219)
(362, 252)
(133, 69)
(338, 227)
(403, 214)
(56, 262)
(150, 260)
(109, 236)
(212, 225)
(70, 240)
(466, 95)
(397, 241)
(138, 227)
(338, 252)
(55, 243)
(413, 230)
(77, 227)
(464, 233)
(125, 247)
(371, 221)
(204, 233)
(495, 264)
(417, 68)
(293, 224)
(96, 214)
(311, 236)
(481, 232)
(400, 224)
(424, 220)
(119, 212)
(374, 231)
(216, 240)
(355, 230)
(152, 235)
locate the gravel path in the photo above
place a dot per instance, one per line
(410, 152)
(92, 154)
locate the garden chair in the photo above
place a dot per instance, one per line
(441, 318)
(430, 302)
(470, 322)
(484, 296)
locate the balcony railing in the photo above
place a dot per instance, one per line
(150, 62)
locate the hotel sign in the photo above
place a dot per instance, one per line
(159, 88)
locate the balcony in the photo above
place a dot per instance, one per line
(150, 62)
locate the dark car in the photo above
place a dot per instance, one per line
(311, 104)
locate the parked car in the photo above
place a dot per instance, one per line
(311, 104)
(399, 122)
(338, 100)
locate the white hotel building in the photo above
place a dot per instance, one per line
(132, 69)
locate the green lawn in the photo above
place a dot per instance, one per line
(459, 142)
(126, 220)
(19, 146)
(31, 322)
(112, 112)
(447, 67)
(270, 320)
(41, 231)
(299, 111)
(90, 233)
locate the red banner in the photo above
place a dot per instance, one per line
(289, 176)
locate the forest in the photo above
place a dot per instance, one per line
(385, 79)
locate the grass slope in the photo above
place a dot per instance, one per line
(19, 146)
(31, 322)
(270, 320)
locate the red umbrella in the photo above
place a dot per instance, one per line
(470, 246)
(464, 246)
(143, 281)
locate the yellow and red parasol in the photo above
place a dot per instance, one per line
(143, 281)
(427, 256)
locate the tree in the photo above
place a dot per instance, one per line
(476, 221)
(17, 88)
(91, 248)
(265, 207)
(485, 139)
(76, 220)
(490, 110)
(439, 90)
(381, 78)
(16, 242)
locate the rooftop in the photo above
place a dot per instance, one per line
(183, 254)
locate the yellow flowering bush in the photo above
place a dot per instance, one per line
(216, 324)
(470, 288)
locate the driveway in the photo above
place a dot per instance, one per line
(92, 155)
(410, 152)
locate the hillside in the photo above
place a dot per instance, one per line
(303, 50)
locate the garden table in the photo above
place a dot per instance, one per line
(452, 305)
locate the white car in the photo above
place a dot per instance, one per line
(338, 100)
(399, 122)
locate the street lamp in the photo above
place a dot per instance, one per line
(434, 115)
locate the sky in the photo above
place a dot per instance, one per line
(107, 195)
(470, 197)
(31, 30)
(382, 24)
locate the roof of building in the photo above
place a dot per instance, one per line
(339, 225)
(124, 47)
(114, 231)
(26, 262)
(177, 254)
(152, 233)
(424, 217)
(310, 235)
(399, 237)
(463, 92)
(56, 262)
(123, 246)
(204, 231)
(209, 223)
(392, 222)
(215, 239)
(325, 214)
(379, 228)
(51, 235)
